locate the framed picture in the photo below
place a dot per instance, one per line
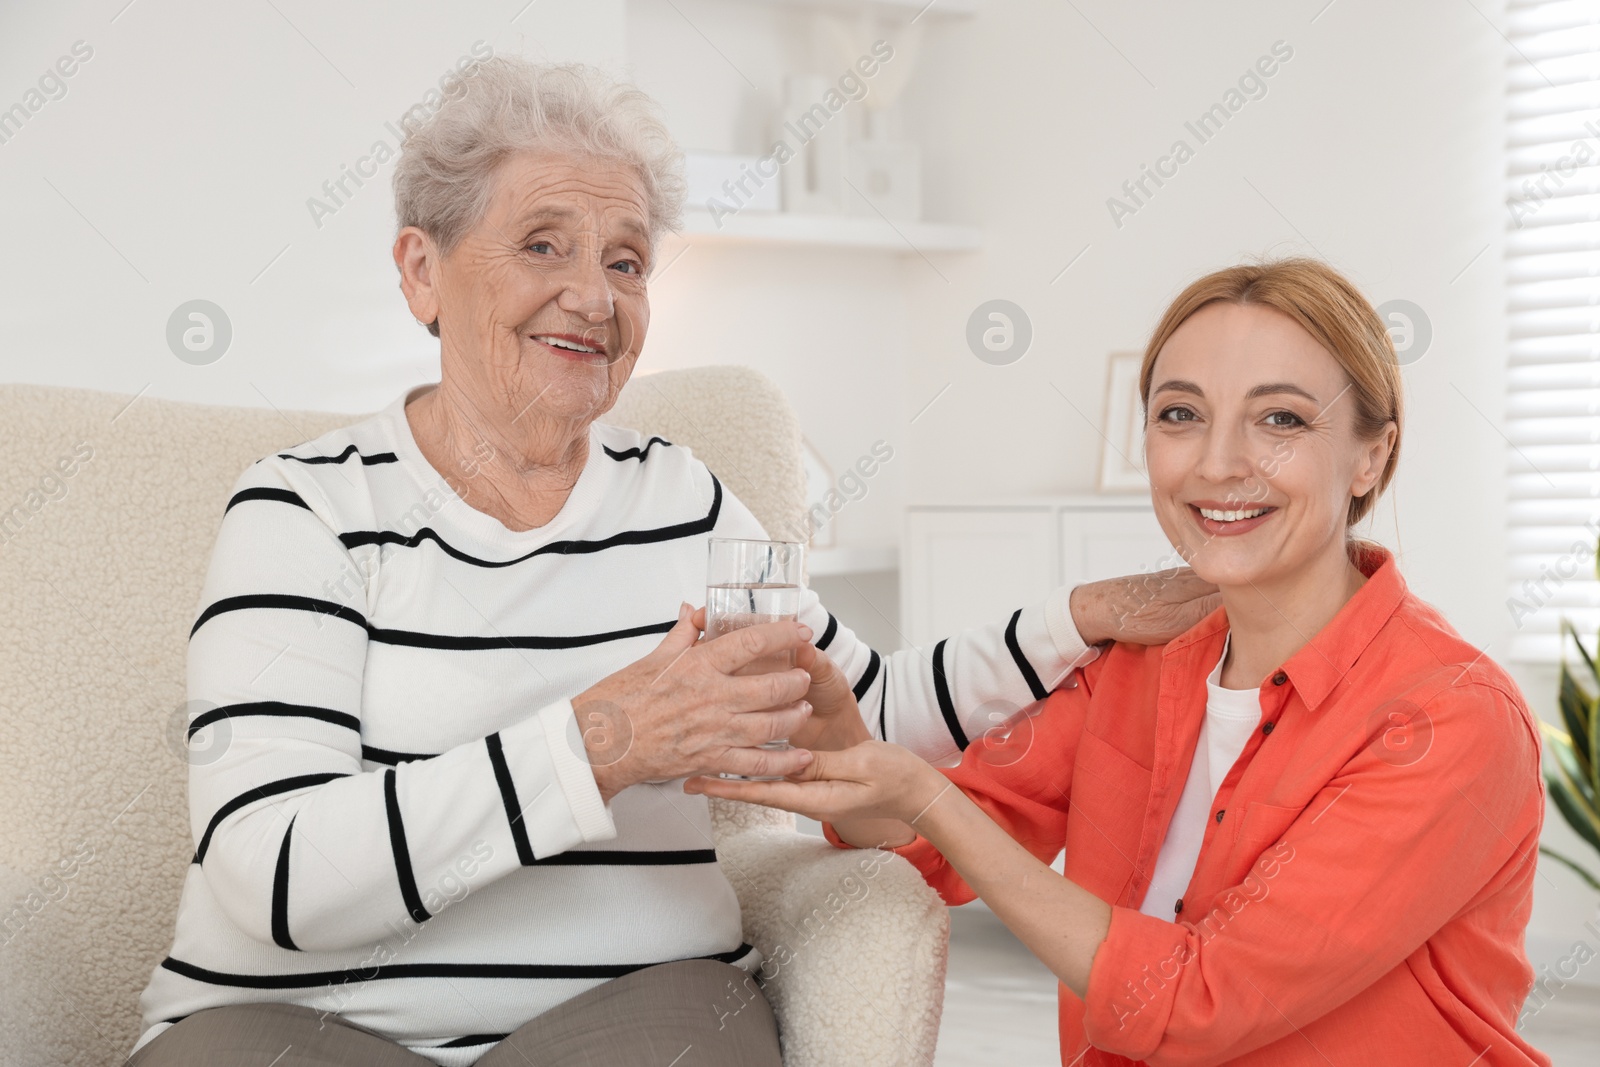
(1122, 445)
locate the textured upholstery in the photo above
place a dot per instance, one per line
(108, 508)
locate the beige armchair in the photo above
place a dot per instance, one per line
(108, 508)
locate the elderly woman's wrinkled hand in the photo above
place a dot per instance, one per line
(684, 710)
(835, 721)
(1142, 609)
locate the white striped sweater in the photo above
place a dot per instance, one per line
(393, 814)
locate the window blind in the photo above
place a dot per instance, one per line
(1553, 286)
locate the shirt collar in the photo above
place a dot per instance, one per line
(1322, 663)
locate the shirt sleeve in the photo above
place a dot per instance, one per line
(1378, 862)
(938, 700)
(300, 846)
(1021, 776)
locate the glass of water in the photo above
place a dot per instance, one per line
(752, 582)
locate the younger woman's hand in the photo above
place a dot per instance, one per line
(871, 780)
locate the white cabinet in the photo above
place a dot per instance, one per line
(966, 564)
(963, 566)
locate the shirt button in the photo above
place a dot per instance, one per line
(1177, 909)
(1266, 728)
(1279, 678)
(1220, 812)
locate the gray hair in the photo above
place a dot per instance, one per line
(505, 104)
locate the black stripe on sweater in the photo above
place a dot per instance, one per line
(391, 758)
(274, 707)
(350, 450)
(623, 858)
(1029, 675)
(469, 1041)
(413, 639)
(315, 979)
(283, 496)
(277, 600)
(675, 532)
(867, 676)
(280, 894)
(508, 796)
(260, 792)
(636, 453)
(947, 708)
(883, 710)
(402, 852)
(828, 634)
(416, 639)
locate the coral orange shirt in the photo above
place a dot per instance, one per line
(1363, 887)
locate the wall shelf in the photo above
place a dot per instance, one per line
(829, 231)
(854, 559)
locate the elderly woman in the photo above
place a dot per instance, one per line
(1302, 833)
(452, 673)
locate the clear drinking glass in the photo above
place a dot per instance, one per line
(751, 582)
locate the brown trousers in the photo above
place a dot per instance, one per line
(669, 1015)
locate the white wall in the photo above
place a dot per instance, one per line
(1377, 142)
(178, 166)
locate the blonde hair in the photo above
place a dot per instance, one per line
(1332, 310)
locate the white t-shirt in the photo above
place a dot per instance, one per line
(1231, 716)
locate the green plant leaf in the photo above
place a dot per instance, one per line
(1594, 748)
(1577, 708)
(1567, 630)
(1572, 810)
(1592, 734)
(1574, 785)
(1559, 746)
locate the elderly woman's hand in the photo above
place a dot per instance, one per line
(683, 710)
(835, 721)
(1142, 609)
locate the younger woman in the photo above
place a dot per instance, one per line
(1304, 832)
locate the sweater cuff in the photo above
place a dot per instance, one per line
(569, 759)
(552, 786)
(1133, 983)
(1064, 633)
